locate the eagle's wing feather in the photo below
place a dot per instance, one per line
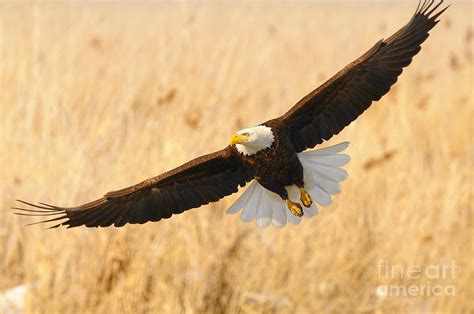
(201, 181)
(339, 101)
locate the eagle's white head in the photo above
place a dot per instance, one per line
(252, 140)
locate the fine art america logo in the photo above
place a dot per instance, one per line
(430, 280)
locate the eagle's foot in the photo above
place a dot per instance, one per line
(306, 198)
(295, 208)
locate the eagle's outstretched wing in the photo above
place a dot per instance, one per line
(339, 101)
(201, 181)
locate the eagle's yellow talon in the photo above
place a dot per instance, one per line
(295, 208)
(305, 198)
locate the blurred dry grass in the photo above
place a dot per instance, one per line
(95, 97)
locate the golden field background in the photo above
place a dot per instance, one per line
(96, 97)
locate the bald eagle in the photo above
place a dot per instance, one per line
(285, 179)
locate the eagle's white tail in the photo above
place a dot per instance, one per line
(322, 174)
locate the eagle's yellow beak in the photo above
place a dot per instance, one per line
(237, 139)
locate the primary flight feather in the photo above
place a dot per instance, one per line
(287, 180)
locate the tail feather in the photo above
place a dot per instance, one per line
(264, 210)
(329, 173)
(331, 150)
(311, 212)
(331, 187)
(322, 197)
(279, 214)
(321, 175)
(242, 200)
(337, 160)
(250, 204)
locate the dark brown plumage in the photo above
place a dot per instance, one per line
(339, 101)
(201, 181)
(279, 166)
(317, 117)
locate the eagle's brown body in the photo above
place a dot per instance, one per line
(278, 166)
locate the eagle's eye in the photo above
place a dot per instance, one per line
(246, 134)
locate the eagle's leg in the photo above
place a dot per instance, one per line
(280, 189)
(305, 198)
(294, 208)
